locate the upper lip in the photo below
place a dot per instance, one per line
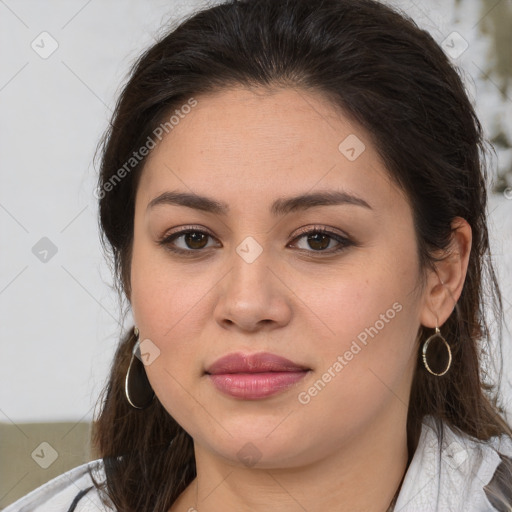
(253, 363)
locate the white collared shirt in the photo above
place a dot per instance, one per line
(449, 473)
(457, 473)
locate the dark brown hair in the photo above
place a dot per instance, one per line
(389, 76)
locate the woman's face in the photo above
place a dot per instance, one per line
(344, 307)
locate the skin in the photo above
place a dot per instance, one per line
(344, 450)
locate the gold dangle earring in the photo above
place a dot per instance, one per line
(426, 344)
(137, 388)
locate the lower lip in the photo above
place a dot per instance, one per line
(253, 386)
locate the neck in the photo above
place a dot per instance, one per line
(363, 474)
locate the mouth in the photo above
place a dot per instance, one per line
(254, 376)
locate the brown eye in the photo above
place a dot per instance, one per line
(195, 239)
(319, 240)
(191, 241)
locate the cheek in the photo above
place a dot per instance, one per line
(370, 317)
(363, 300)
(168, 310)
(164, 297)
(369, 331)
(366, 366)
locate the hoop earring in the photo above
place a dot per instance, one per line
(137, 388)
(424, 353)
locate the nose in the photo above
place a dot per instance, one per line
(254, 295)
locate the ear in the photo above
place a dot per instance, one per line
(444, 285)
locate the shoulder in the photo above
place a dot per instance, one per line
(453, 471)
(73, 491)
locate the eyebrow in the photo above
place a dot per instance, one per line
(280, 206)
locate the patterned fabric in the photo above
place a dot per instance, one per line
(499, 489)
(72, 491)
(448, 473)
(452, 472)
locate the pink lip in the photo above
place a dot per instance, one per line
(253, 363)
(254, 376)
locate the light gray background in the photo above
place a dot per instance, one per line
(60, 318)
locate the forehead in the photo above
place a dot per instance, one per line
(260, 143)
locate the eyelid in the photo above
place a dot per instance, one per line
(185, 228)
(301, 231)
(166, 238)
(321, 228)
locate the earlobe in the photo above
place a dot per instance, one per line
(444, 285)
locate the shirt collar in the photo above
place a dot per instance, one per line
(449, 470)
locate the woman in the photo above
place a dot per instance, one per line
(294, 196)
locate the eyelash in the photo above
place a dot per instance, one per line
(168, 239)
